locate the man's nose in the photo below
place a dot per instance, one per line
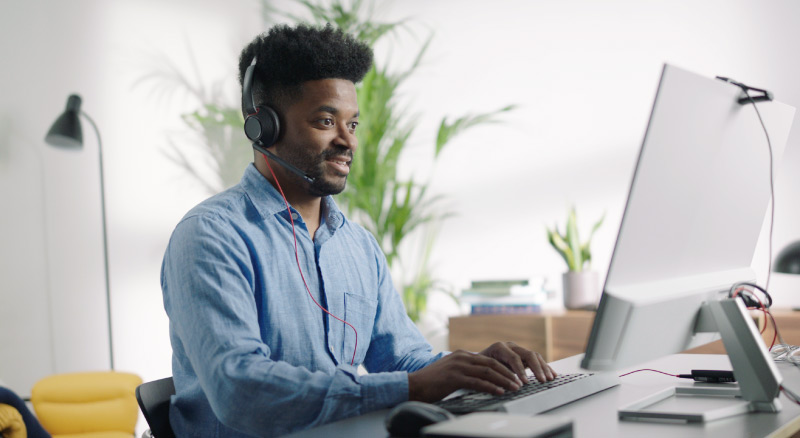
(347, 138)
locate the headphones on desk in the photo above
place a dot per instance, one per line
(261, 125)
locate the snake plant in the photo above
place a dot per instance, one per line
(577, 254)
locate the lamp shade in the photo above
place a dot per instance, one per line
(66, 130)
(789, 259)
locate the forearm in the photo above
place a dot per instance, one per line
(262, 397)
(250, 392)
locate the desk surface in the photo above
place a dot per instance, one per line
(597, 415)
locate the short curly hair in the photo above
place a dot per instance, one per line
(289, 56)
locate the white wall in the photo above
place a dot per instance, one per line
(583, 73)
(52, 312)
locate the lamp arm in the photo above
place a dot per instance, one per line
(105, 237)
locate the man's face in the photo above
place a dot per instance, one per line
(319, 134)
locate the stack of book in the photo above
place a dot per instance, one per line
(502, 297)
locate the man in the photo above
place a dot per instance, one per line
(250, 276)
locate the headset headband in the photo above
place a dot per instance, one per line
(247, 91)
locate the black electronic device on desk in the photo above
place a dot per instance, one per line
(407, 419)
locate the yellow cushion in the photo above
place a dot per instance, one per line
(95, 435)
(11, 424)
(81, 404)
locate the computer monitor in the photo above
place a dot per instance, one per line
(694, 214)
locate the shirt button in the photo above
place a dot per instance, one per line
(294, 216)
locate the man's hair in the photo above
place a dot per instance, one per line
(290, 56)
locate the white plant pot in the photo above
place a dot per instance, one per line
(581, 289)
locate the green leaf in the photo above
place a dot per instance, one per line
(574, 241)
(389, 206)
(447, 131)
(562, 247)
(585, 248)
(575, 254)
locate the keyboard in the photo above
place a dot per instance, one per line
(533, 397)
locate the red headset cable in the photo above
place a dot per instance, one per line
(760, 306)
(767, 314)
(648, 369)
(790, 395)
(297, 258)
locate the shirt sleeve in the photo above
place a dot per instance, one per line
(208, 284)
(396, 344)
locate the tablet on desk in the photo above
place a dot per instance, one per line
(494, 424)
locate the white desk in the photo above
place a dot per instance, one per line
(596, 416)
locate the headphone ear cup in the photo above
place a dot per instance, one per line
(262, 126)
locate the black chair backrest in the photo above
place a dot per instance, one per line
(153, 398)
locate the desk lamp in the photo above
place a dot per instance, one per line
(66, 133)
(789, 259)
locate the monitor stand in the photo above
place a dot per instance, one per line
(758, 378)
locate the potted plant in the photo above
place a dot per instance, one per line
(389, 205)
(581, 285)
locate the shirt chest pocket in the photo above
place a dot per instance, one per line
(360, 312)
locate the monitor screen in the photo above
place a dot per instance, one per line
(697, 202)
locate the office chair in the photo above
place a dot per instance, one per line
(87, 404)
(153, 398)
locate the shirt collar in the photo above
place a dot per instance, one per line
(268, 200)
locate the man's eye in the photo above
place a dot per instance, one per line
(353, 126)
(327, 122)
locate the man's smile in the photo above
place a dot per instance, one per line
(341, 164)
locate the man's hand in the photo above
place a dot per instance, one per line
(517, 359)
(495, 370)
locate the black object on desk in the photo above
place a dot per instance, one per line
(407, 419)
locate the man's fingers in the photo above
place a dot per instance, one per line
(499, 368)
(535, 362)
(493, 371)
(480, 385)
(487, 369)
(509, 356)
(539, 367)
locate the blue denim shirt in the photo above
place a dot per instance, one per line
(252, 354)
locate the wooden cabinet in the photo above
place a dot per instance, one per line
(788, 322)
(562, 334)
(553, 335)
(788, 325)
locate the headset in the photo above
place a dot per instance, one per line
(262, 125)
